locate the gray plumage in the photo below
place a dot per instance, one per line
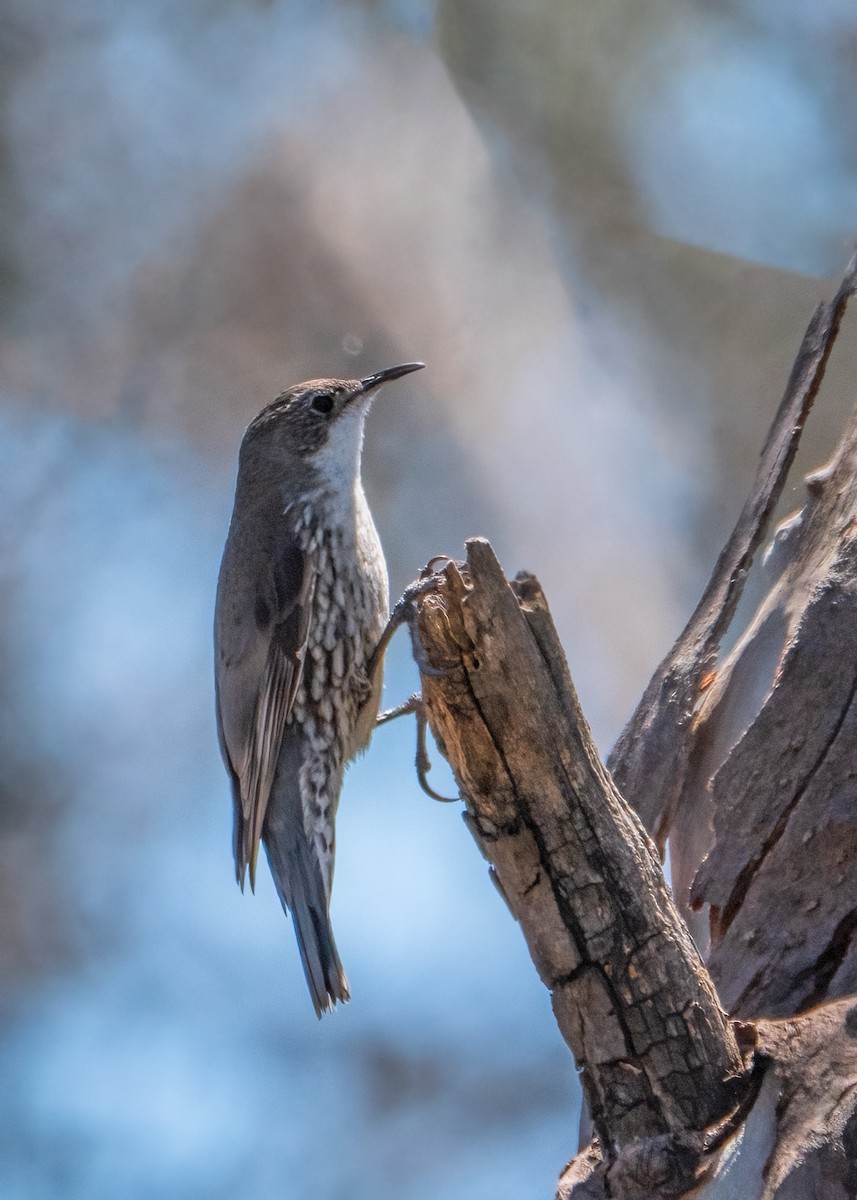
(301, 605)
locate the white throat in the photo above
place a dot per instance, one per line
(338, 461)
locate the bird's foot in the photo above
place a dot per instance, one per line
(401, 710)
(405, 612)
(431, 569)
(414, 704)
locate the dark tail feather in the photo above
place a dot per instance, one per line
(323, 970)
(301, 892)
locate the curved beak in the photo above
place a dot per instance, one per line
(374, 381)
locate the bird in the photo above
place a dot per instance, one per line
(302, 605)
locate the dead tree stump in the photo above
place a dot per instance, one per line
(754, 785)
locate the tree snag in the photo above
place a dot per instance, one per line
(749, 769)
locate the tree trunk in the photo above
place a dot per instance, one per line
(748, 769)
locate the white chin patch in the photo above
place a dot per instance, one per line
(338, 461)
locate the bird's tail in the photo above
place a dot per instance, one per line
(301, 890)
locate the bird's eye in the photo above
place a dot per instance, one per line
(322, 402)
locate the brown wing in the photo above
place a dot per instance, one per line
(264, 610)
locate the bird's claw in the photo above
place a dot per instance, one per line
(405, 612)
(427, 583)
(401, 710)
(430, 569)
(422, 760)
(414, 704)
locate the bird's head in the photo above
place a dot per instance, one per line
(320, 422)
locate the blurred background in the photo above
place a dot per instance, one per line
(604, 228)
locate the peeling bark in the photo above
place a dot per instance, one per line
(780, 865)
(650, 759)
(797, 1140)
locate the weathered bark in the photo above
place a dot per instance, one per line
(798, 1131)
(752, 765)
(776, 793)
(650, 759)
(630, 993)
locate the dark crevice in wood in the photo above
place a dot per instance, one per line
(746, 875)
(534, 884)
(755, 980)
(719, 1134)
(831, 960)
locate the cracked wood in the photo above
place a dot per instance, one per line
(630, 994)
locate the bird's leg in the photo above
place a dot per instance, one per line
(414, 704)
(405, 613)
(422, 760)
(401, 710)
